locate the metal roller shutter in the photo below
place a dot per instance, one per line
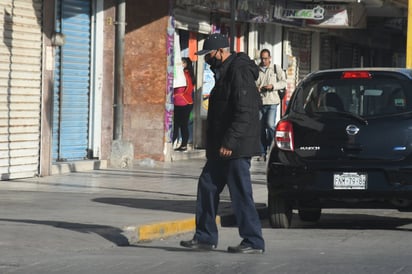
(20, 87)
(300, 43)
(72, 82)
(327, 45)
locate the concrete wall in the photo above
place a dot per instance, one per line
(145, 74)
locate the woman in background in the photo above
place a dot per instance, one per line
(183, 104)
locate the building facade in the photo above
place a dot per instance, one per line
(92, 80)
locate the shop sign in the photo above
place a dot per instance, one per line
(316, 13)
(281, 7)
(334, 15)
(341, 16)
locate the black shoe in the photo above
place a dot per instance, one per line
(244, 249)
(194, 244)
(182, 148)
(261, 158)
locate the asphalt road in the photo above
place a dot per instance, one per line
(344, 241)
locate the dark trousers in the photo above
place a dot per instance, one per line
(236, 174)
(181, 121)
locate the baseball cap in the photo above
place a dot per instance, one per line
(213, 42)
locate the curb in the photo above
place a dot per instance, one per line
(150, 232)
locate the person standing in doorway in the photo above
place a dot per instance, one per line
(232, 139)
(183, 104)
(268, 87)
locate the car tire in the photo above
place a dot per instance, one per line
(280, 212)
(310, 215)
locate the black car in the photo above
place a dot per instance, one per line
(345, 141)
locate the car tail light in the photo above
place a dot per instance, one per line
(356, 75)
(284, 135)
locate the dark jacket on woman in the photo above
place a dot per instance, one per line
(233, 114)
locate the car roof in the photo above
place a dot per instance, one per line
(405, 71)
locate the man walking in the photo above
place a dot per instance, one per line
(268, 87)
(232, 139)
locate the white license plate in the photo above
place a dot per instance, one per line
(350, 180)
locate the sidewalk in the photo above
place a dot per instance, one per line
(152, 200)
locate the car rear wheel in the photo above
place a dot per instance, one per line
(310, 215)
(280, 212)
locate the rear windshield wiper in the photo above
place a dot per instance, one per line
(348, 114)
(355, 116)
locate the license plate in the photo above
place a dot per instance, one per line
(350, 180)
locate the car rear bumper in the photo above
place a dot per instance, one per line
(306, 184)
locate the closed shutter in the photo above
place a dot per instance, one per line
(300, 43)
(326, 54)
(72, 82)
(20, 87)
(348, 55)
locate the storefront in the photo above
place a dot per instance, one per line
(77, 76)
(72, 73)
(52, 68)
(20, 88)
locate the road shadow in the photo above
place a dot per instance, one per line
(110, 233)
(178, 249)
(181, 206)
(351, 221)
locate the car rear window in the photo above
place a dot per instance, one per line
(362, 97)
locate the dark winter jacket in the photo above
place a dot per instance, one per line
(233, 114)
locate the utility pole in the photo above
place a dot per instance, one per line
(122, 154)
(233, 25)
(119, 76)
(409, 36)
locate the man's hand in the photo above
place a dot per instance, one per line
(224, 152)
(269, 87)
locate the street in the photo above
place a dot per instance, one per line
(75, 223)
(366, 241)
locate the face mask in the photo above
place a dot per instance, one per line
(214, 62)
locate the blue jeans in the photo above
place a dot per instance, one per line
(236, 174)
(267, 119)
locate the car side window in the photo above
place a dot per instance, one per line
(396, 101)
